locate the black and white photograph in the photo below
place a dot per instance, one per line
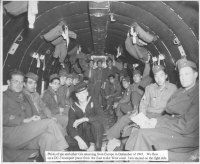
(99, 81)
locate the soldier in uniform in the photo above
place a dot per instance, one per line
(98, 81)
(64, 89)
(22, 125)
(90, 73)
(178, 129)
(152, 104)
(55, 102)
(106, 72)
(113, 92)
(123, 106)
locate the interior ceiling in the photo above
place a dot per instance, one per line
(165, 19)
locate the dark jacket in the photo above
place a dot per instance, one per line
(52, 104)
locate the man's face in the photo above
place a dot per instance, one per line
(30, 85)
(137, 78)
(99, 64)
(82, 96)
(75, 81)
(63, 80)
(91, 64)
(69, 81)
(55, 84)
(110, 64)
(160, 77)
(187, 77)
(125, 84)
(111, 79)
(125, 65)
(16, 83)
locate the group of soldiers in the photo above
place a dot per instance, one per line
(32, 121)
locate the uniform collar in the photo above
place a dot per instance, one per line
(192, 91)
(51, 90)
(166, 85)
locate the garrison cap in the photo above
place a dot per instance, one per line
(62, 73)
(136, 72)
(157, 68)
(127, 79)
(32, 76)
(54, 76)
(81, 86)
(69, 76)
(181, 63)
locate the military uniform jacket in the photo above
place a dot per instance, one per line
(115, 89)
(183, 112)
(92, 76)
(15, 111)
(39, 104)
(154, 100)
(107, 71)
(52, 104)
(126, 99)
(64, 92)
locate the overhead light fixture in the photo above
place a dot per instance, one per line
(98, 30)
(97, 14)
(32, 11)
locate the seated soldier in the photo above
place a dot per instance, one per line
(123, 106)
(139, 83)
(76, 79)
(90, 73)
(178, 129)
(86, 119)
(113, 92)
(22, 125)
(64, 89)
(152, 104)
(55, 102)
(30, 84)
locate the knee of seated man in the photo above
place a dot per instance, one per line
(97, 124)
(47, 137)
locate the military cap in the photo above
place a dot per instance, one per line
(54, 76)
(69, 76)
(181, 63)
(127, 79)
(62, 73)
(136, 72)
(81, 86)
(32, 76)
(157, 68)
(75, 76)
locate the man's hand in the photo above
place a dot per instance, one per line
(151, 123)
(79, 121)
(35, 118)
(27, 120)
(115, 105)
(82, 145)
(132, 114)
